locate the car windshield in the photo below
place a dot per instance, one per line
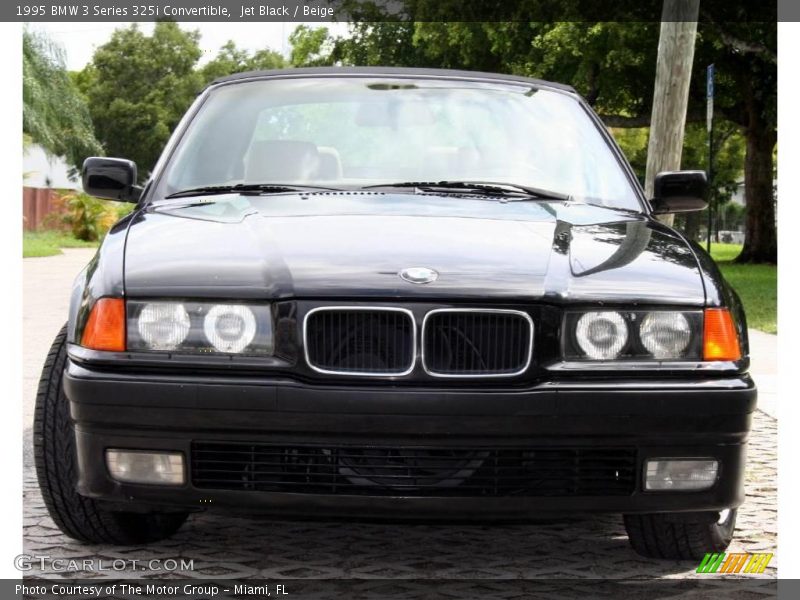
(354, 132)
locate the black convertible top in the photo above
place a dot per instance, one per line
(396, 71)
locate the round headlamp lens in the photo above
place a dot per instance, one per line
(230, 327)
(665, 334)
(163, 325)
(601, 335)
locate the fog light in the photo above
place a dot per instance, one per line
(664, 474)
(134, 466)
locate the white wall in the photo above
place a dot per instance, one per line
(46, 172)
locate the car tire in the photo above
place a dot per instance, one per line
(680, 536)
(81, 518)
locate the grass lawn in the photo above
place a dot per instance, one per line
(49, 243)
(757, 285)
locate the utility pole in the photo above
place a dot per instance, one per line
(671, 94)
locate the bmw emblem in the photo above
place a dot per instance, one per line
(418, 275)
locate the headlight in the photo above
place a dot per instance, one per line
(601, 335)
(641, 335)
(665, 334)
(200, 327)
(229, 327)
(163, 325)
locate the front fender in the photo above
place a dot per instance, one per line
(720, 293)
(103, 276)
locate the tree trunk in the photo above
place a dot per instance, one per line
(760, 235)
(691, 228)
(671, 95)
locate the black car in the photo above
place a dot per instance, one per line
(396, 293)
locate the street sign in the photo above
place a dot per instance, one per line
(709, 96)
(709, 128)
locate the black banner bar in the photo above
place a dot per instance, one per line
(386, 10)
(743, 588)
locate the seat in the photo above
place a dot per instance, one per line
(281, 161)
(450, 162)
(330, 164)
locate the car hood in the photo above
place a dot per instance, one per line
(354, 244)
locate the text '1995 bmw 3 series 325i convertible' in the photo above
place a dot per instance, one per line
(396, 293)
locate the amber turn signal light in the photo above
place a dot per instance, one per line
(720, 340)
(105, 329)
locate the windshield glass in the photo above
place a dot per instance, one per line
(350, 132)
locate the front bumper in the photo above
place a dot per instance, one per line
(668, 418)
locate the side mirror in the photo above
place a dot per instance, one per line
(111, 178)
(679, 191)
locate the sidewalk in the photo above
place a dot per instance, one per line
(764, 369)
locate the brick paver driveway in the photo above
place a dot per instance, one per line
(240, 546)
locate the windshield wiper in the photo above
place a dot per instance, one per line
(485, 187)
(247, 188)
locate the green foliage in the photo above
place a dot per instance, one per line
(745, 58)
(728, 169)
(123, 209)
(49, 243)
(610, 63)
(729, 150)
(54, 115)
(730, 216)
(633, 142)
(311, 47)
(138, 87)
(27, 142)
(87, 218)
(601, 60)
(729, 146)
(230, 60)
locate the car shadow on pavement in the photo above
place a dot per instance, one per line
(565, 548)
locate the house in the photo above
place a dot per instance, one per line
(42, 176)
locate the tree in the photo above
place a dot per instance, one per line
(311, 47)
(745, 56)
(54, 115)
(138, 87)
(230, 60)
(611, 64)
(728, 167)
(600, 58)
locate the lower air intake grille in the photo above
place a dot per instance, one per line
(476, 343)
(360, 341)
(414, 471)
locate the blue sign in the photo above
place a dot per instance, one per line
(710, 81)
(709, 97)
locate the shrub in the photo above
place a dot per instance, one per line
(88, 218)
(123, 209)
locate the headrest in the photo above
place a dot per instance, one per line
(330, 165)
(281, 161)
